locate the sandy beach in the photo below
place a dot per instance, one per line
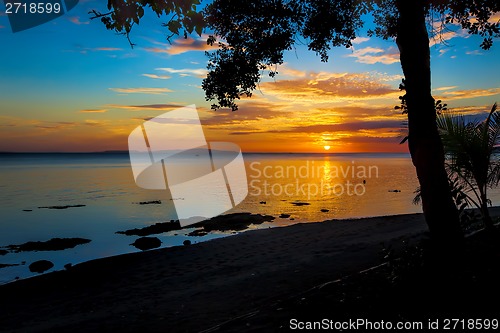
(201, 286)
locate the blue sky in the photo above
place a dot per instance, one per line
(71, 85)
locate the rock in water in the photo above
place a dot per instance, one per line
(187, 242)
(299, 203)
(40, 266)
(54, 244)
(147, 243)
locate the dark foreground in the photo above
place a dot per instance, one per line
(265, 280)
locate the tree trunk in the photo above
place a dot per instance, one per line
(424, 142)
(488, 222)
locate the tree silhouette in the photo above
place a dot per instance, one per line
(255, 35)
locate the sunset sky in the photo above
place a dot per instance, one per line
(71, 85)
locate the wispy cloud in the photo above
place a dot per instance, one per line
(159, 107)
(157, 77)
(94, 111)
(76, 20)
(107, 49)
(95, 122)
(472, 93)
(373, 55)
(56, 125)
(443, 37)
(484, 109)
(285, 70)
(445, 88)
(475, 52)
(443, 51)
(85, 50)
(182, 45)
(199, 72)
(153, 91)
(359, 40)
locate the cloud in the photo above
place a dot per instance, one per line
(56, 125)
(199, 72)
(107, 49)
(495, 17)
(384, 77)
(331, 87)
(76, 20)
(443, 37)
(253, 111)
(95, 123)
(472, 93)
(182, 45)
(475, 52)
(142, 118)
(359, 40)
(345, 127)
(9, 121)
(160, 107)
(152, 91)
(94, 111)
(484, 109)
(85, 50)
(440, 33)
(288, 71)
(241, 133)
(373, 55)
(157, 77)
(442, 52)
(445, 88)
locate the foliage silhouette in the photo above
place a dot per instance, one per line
(473, 162)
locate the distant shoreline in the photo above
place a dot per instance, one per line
(119, 152)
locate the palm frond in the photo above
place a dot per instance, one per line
(473, 164)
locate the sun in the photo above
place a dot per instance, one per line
(326, 147)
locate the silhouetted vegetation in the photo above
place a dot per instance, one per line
(472, 163)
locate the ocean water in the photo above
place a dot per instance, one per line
(308, 187)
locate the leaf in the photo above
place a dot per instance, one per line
(174, 26)
(404, 140)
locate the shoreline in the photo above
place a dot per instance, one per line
(237, 223)
(195, 287)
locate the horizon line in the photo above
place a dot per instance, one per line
(250, 152)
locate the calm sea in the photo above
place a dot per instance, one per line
(308, 187)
